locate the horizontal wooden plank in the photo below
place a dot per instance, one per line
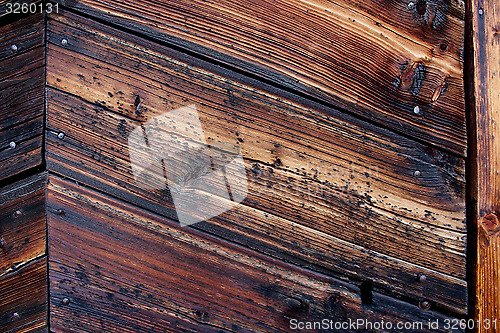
(26, 155)
(26, 34)
(310, 173)
(375, 59)
(23, 229)
(21, 98)
(123, 269)
(23, 301)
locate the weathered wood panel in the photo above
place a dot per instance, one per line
(23, 299)
(22, 75)
(486, 178)
(117, 268)
(377, 59)
(312, 183)
(23, 228)
(26, 34)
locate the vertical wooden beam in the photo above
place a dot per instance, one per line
(485, 16)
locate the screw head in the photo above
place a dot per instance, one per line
(18, 213)
(12, 145)
(60, 135)
(16, 315)
(416, 110)
(14, 48)
(424, 305)
(422, 278)
(65, 301)
(64, 42)
(417, 173)
(481, 11)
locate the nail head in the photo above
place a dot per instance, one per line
(424, 305)
(60, 212)
(481, 11)
(64, 41)
(14, 48)
(60, 135)
(422, 278)
(16, 315)
(417, 173)
(65, 301)
(12, 145)
(416, 110)
(18, 213)
(411, 5)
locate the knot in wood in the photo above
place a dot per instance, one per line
(490, 223)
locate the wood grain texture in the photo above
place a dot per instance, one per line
(23, 299)
(26, 34)
(333, 184)
(124, 269)
(23, 228)
(486, 37)
(22, 78)
(377, 59)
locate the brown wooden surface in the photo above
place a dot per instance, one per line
(486, 37)
(23, 227)
(124, 269)
(378, 59)
(337, 187)
(24, 297)
(21, 95)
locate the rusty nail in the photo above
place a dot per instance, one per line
(481, 11)
(18, 213)
(417, 173)
(60, 135)
(64, 41)
(416, 110)
(60, 212)
(411, 5)
(16, 315)
(12, 144)
(65, 301)
(422, 278)
(424, 305)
